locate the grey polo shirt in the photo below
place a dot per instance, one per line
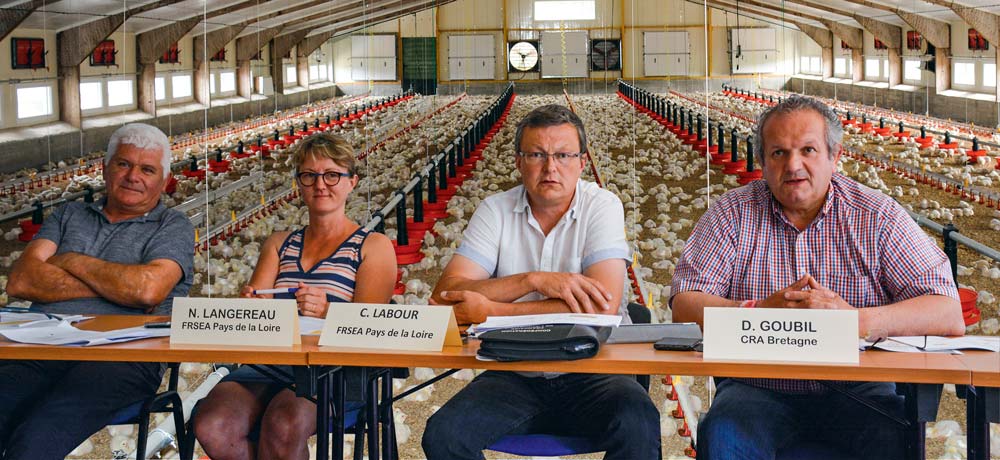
(83, 228)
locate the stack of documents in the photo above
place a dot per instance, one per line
(937, 344)
(493, 323)
(65, 334)
(22, 320)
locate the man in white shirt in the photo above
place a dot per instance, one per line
(554, 244)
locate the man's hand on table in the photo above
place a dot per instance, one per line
(470, 307)
(581, 293)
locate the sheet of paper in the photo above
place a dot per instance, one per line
(890, 346)
(506, 322)
(64, 333)
(16, 320)
(309, 325)
(937, 343)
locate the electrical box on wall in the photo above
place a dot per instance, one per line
(913, 40)
(977, 42)
(27, 53)
(171, 55)
(104, 54)
(220, 56)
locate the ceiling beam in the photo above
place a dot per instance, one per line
(890, 34)
(938, 33)
(263, 17)
(778, 10)
(822, 37)
(362, 20)
(307, 46)
(153, 43)
(347, 11)
(207, 45)
(850, 35)
(248, 45)
(282, 44)
(12, 16)
(984, 22)
(75, 44)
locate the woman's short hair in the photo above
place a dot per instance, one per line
(325, 145)
(141, 136)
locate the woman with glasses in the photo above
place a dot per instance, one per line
(333, 259)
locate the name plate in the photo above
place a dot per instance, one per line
(391, 327)
(255, 322)
(781, 334)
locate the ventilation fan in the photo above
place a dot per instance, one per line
(605, 55)
(524, 57)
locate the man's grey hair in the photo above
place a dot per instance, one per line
(547, 116)
(141, 136)
(834, 130)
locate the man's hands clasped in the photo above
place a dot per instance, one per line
(796, 295)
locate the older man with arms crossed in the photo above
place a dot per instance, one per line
(555, 244)
(126, 254)
(808, 237)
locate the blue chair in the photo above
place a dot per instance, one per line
(553, 445)
(139, 412)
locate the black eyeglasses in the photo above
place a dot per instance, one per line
(330, 178)
(539, 157)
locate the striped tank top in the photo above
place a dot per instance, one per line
(335, 274)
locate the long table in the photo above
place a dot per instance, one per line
(975, 369)
(982, 401)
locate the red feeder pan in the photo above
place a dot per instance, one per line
(408, 249)
(883, 131)
(171, 185)
(407, 259)
(969, 311)
(424, 226)
(974, 155)
(749, 176)
(735, 167)
(953, 145)
(721, 158)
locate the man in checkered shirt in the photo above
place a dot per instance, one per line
(808, 237)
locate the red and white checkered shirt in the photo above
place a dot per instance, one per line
(862, 245)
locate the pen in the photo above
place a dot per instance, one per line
(275, 291)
